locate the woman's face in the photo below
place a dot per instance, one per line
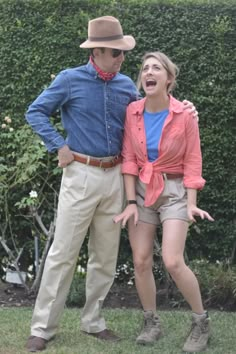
(154, 77)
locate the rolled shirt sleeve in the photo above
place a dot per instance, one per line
(129, 162)
(193, 157)
(47, 103)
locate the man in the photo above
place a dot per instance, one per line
(93, 100)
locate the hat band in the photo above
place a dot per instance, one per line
(104, 39)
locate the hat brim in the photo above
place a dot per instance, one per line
(126, 43)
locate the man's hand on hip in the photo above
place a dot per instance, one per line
(65, 156)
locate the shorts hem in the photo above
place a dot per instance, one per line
(175, 218)
(149, 222)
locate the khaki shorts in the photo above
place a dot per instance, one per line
(171, 204)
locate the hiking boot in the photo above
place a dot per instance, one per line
(36, 344)
(151, 330)
(199, 334)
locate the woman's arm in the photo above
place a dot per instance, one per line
(192, 161)
(131, 210)
(129, 159)
(192, 208)
(129, 181)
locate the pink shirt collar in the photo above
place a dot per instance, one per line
(175, 106)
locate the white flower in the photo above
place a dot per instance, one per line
(4, 126)
(53, 76)
(33, 194)
(42, 143)
(11, 129)
(80, 269)
(7, 119)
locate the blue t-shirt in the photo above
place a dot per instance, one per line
(153, 127)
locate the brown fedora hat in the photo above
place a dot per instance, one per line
(107, 32)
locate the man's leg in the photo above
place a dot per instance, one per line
(74, 217)
(103, 250)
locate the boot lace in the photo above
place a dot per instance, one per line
(197, 329)
(149, 323)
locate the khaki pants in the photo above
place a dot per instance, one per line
(89, 198)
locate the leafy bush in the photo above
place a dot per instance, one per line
(217, 282)
(76, 296)
(38, 39)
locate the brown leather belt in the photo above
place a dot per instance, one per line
(87, 160)
(172, 175)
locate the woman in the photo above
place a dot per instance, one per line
(162, 172)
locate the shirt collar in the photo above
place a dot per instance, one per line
(175, 106)
(91, 70)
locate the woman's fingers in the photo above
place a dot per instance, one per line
(130, 211)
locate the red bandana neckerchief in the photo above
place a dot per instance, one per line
(102, 74)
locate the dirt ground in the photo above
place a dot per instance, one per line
(11, 295)
(119, 296)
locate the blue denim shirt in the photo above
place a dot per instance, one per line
(92, 111)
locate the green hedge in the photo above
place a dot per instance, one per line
(40, 38)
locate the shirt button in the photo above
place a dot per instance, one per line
(108, 126)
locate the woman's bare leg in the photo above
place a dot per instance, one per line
(173, 243)
(142, 239)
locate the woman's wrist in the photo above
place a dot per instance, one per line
(131, 201)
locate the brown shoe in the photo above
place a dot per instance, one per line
(106, 334)
(36, 344)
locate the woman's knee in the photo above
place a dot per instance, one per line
(173, 264)
(142, 264)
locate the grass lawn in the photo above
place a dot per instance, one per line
(15, 324)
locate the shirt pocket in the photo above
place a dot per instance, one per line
(120, 100)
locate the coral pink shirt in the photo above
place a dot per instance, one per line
(179, 149)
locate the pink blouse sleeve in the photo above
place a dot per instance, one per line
(193, 156)
(129, 163)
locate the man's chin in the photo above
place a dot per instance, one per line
(117, 68)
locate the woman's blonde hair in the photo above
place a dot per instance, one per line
(170, 67)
